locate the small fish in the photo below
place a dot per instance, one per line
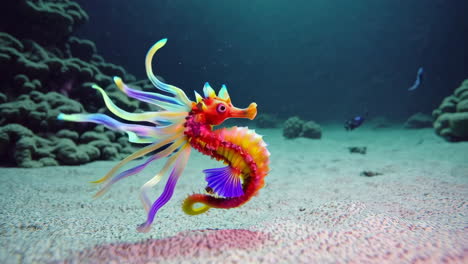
(419, 78)
(355, 122)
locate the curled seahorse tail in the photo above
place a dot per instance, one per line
(190, 202)
(199, 203)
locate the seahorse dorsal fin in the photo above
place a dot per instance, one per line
(201, 106)
(223, 93)
(208, 91)
(198, 97)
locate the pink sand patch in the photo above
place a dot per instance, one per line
(185, 245)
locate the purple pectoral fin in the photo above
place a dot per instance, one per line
(224, 182)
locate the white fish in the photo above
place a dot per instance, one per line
(419, 77)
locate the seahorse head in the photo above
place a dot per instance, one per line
(214, 109)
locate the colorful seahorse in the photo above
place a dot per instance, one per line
(180, 125)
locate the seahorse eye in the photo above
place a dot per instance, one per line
(221, 108)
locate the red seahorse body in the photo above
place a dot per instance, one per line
(240, 148)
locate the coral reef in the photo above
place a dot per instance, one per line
(295, 127)
(419, 120)
(27, 66)
(82, 49)
(22, 147)
(49, 22)
(47, 71)
(292, 127)
(39, 110)
(451, 117)
(311, 129)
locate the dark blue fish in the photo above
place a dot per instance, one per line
(419, 78)
(355, 122)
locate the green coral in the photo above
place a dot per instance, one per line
(451, 117)
(27, 66)
(21, 147)
(49, 21)
(311, 129)
(292, 127)
(295, 127)
(71, 154)
(81, 48)
(65, 133)
(38, 109)
(46, 71)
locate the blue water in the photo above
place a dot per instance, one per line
(322, 60)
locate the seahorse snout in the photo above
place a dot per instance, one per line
(249, 112)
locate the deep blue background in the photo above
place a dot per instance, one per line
(319, 59)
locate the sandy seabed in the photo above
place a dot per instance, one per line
(315, 208)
